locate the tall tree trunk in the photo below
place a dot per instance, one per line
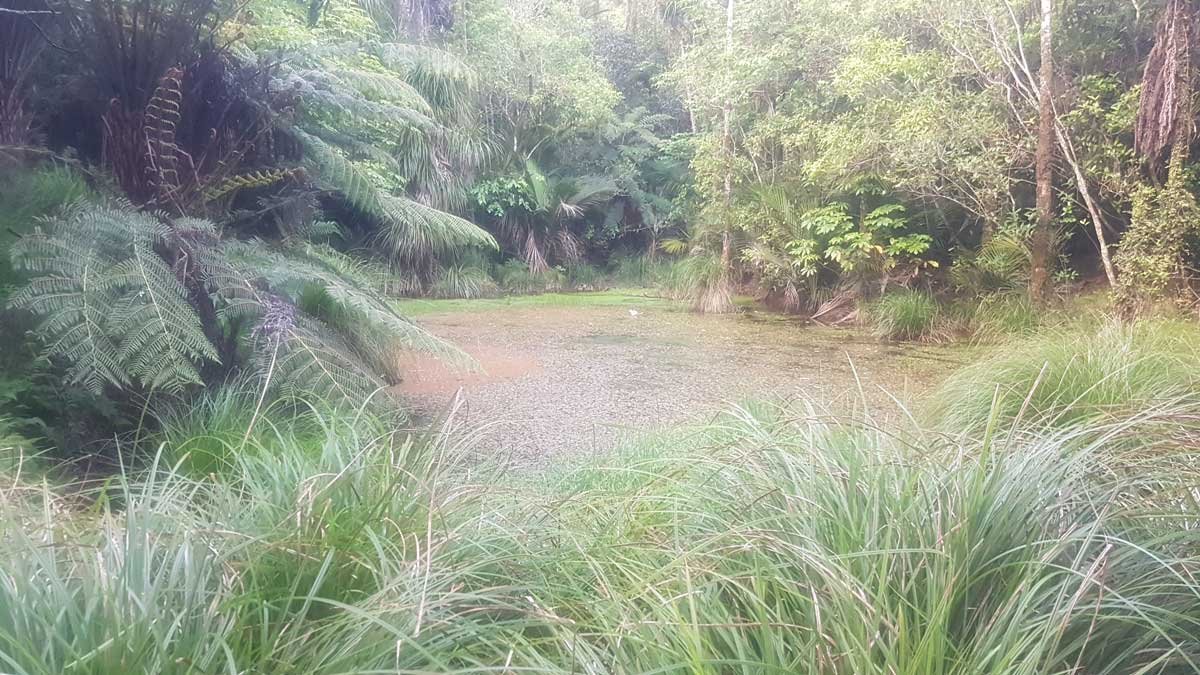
(717, 295)
(727, 148)
(1042, 243)
(1154, 249)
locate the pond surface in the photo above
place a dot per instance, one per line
(565, 379)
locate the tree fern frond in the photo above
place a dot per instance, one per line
(247, 181)
(338, 173)
(74, 326)
(110, 306)
(352, 93)
(162, 335)
(302, 358)
(384, 86)
(410, 230)
(356, 309)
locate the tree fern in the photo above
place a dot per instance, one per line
(162, 338)
(407, 229)
(384, 86)
(111, 307)
(390, 128)
(119, 293)
(411, 230)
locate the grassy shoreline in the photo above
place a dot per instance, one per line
(770, 539)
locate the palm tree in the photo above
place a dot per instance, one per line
(542, 231)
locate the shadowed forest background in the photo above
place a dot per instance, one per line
(606, 336)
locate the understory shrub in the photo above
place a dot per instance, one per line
(514, 276)
(904, 315)
(1000, 265)
(27, 195)
(633, 270)
(1065, 375)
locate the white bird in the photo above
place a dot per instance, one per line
(634, 312)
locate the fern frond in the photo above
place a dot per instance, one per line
(411, 231)
(162, 335)
(354, 287)
(408, 230)
(384, 86)
(338, 173)
(300, 358)
(248, 181)
(74, 325)
(160, 121)
(111, 307)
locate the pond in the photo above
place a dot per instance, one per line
(566, 376)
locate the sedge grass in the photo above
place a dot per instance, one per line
(770, 540)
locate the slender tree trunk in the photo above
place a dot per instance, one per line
(1068, 154)
(689, 98)
(1042, 243)
(727, 146)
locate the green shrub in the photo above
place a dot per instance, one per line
(632, 270)
(18, 453)
(1065, 375)
(25, 196)
(639, 271)
(904, 315)
(514, 276)
(1002, 264)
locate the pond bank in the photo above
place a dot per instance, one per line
(564, 376)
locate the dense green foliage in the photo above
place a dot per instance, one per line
(214, 216)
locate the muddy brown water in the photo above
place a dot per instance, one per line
(565, 382)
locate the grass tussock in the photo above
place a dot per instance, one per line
(770, 540)
(904, 315)
(998, 317)
(700, 281)
(465, 281)
(1068, 375)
